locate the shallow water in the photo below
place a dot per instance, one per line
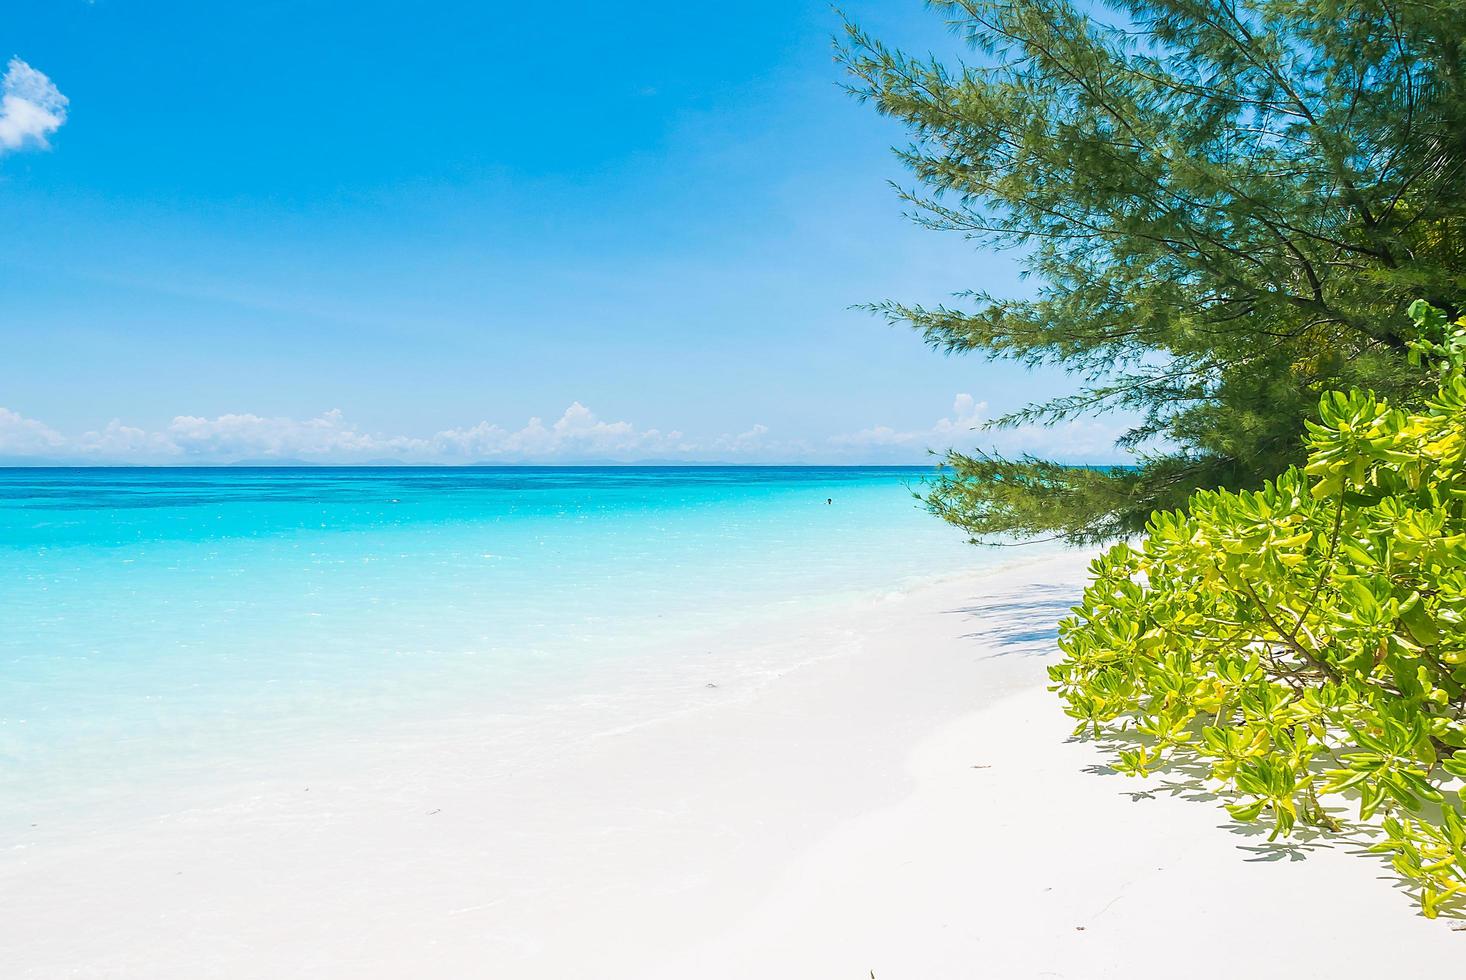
(159, 622)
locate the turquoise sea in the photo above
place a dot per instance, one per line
(157, 622)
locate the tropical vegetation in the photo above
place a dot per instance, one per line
(1226, 208)
(1305, 643)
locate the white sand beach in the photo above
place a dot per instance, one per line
(890, 793)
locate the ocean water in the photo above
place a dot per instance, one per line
(156, 621)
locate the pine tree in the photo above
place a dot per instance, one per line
(1227, 209)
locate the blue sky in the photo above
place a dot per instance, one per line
(456, 232)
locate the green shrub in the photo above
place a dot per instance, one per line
(1307, 639)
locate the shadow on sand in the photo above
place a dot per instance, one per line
(1192, 781)
(1026, 625)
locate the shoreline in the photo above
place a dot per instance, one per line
(823, 814)
(667, 677)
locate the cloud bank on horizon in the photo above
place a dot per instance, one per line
(577, 435)
(31, 108)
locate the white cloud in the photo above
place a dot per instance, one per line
(480, 440)
(878, 435)
(20, 436)
(1080, 440)
(967, 416)
(752, 438)
(760, 444)
(327, 436)
(31, 107)
(577, 435)
(126, 441)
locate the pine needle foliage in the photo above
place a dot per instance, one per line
(1306, 640)
(1226, 208)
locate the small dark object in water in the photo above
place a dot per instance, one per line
(829, 500)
